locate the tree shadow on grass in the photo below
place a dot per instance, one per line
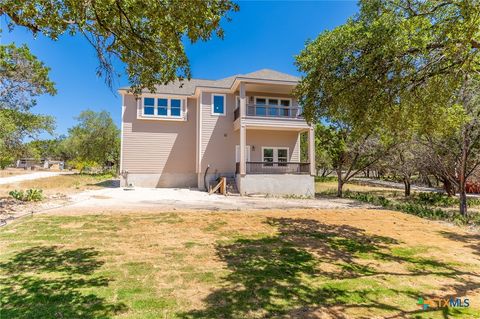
(47, 282)
(311, 270)
(471, 240)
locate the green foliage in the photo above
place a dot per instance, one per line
(148, 36)
(424, 207)
(18, 195)
(94, 141)
(53, 148)
(84, 167)
(22, 78)
(325, 179)
(436, 199)
(5, 160)
(395, 63)
(30, 195)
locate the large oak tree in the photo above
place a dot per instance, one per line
(146, 35)
(397, 64)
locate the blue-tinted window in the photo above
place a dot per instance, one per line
(175, 107)
(148, 106)
(162, 107)
(218, 104)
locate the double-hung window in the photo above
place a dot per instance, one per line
(218, 104)
(162, 107)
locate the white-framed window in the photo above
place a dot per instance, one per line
(219, 104)
(274, 154)
(272, 106)
(163, 107)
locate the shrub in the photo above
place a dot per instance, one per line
(33, 195)
(18, 195)
(30, 195)
(418, 206)
(436, 199)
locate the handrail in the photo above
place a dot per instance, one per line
(269, 110)
(275, 167)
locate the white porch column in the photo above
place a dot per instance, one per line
(311, 150)
(243, 100)
(243, 143)
(243, 129)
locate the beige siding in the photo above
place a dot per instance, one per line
(158, 146)
(218, 136)
(264, 138)
(164, 153)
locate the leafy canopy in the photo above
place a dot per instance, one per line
(22, 78)
(95, 138)
(147, 35)
(394, 64)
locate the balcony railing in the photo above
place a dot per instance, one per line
(275, 168)
(271, 111)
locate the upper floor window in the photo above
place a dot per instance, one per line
(162, 107)
(218, 104)
(149, 106)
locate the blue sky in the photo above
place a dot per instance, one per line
(261, 35)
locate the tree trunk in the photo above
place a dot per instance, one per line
(340, 184)
(406, 182)
(463, 202)
(448, 187)
(463, 176)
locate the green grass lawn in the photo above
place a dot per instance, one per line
(284, 264)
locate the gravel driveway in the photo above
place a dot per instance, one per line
(27, 177)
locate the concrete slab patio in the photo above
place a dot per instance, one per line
(174, 198)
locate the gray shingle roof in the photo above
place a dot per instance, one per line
(188, 87)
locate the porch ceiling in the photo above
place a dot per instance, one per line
(269, 88)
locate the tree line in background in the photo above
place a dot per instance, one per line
(147, 36)
(393, 89)
(397, 88)
(93, 142)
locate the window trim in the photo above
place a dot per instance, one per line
(275, 153)
(274, 98)
(279, 105)
(169, 116)
(224, 104)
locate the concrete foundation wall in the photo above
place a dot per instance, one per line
(180, 180)
(302, 185)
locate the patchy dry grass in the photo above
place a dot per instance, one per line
(63, 184)
(331, 187)
(274, 264)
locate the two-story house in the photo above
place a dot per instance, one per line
(246, 127)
